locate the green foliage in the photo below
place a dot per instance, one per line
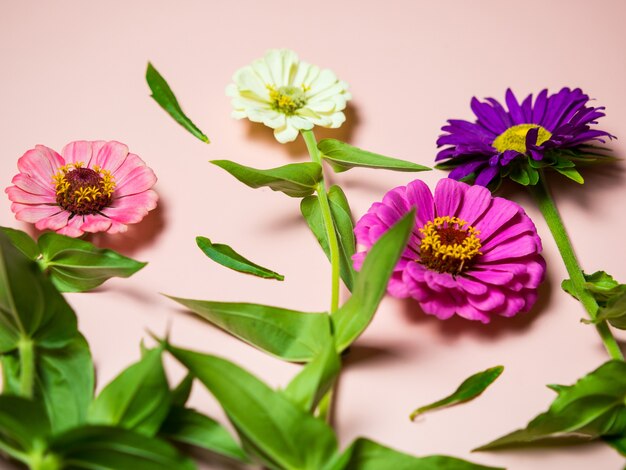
(226, 256)
(592, 408)
(342, 157)
(342, 221)
(288, 334)
(469, 389)
(294, 179)
(24, 426)
(371, 283)
(163, 95)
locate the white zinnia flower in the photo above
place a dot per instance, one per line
(288, 95)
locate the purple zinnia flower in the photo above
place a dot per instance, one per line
(494, 145)
(470, 253)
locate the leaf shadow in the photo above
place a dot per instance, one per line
(297, 148)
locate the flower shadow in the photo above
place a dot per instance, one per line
(297, 148)
(457, 326)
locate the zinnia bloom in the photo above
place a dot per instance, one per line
(91, 187)
(470, 254)
(288, 95)
(529, 135)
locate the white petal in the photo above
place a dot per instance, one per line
(299, 122)
(286, 134)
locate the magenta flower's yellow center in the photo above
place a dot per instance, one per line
(449, 245)
(287, 99)
(514, 138)
(81, 190)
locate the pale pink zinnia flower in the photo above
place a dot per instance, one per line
(91, 187)
(470, 254)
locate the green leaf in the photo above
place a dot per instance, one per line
(226, 256)
(591, 408)
(162, 94)
(571, 173)
(23, 242)
(365, 454)
(279, 430)
(342, 220)
(181, 393)
(24, 426)
(30, 306)
(371, 283)
(342, 157)
(294, 179)
(520, 175)
(77, 266)
(315, 379)
(618, 443)
(287, 334)
(187, 426)
(138, 398)
(469, 389)
(615, 310)
(114, 448)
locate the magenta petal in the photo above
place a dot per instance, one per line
(419, 196)
(492, 300)
(95, 223)
(517, 248)
(30, 185)
(497, 278)
(498, 214)
(448, 197)
(470, 286)
(72, 229)
(476, 201)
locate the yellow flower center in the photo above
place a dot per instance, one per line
(287, 99)
(81, 190)
(514, 138)
(449, 245)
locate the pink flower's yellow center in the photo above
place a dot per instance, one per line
(449, 245)
(81, 190)
(287, 99)
(514, 138)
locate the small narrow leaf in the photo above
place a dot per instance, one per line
(571, 173)
(342, 157)
(226, 256)
(615, 310)
(469, 389)
(181, 393)
(77, 265)
(138, 398)
(371, 283)
(287, 334)
(277, 429)
(315, 379)
(294, 179)
(23, 242)
(187, 426)
(162, 94)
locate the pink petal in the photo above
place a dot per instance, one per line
(72, 229)
(41, 164)
(476, 201)
(500, 212)
(131, 209)
(77, 152)
(470, 286)
(139, 180)
(30, 185)
(522, 246)
(109, 155)
(54, 222)
(95, 223)
(497, 278)
(448, 196)
(419, 196)
(19, 195)
(442, 306)
(489, 302)
(470, 312)
(33, 213)
(517, 226)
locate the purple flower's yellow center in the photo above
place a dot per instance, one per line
(449, 245)
(81, 190)
(514, 138)
(287, 99)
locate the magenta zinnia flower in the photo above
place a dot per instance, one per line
(92, 187)
(470, 254)
(553, 131)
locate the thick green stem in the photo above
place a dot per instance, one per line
(325, 408)
(548, 208)
(26, 351)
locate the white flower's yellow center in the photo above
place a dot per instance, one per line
(287, 99)
(514, 138)
(448, 245)
(81, 190)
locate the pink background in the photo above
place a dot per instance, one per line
(74, 70)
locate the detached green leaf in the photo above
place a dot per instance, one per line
(294, 179)
(342, 220)
(471, 388)
(23, 242)
(138, 398)
(115, 448)
(371, 283)
(287, 334)
(365, 454)
(187, 426)
(162, 94)
(342, 157)
(591, 408)
(315, 379)
(77, 266)
(226, 256)
(280, 432)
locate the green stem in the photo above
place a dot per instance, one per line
(26, 350)
(325, 407)
(549, 211)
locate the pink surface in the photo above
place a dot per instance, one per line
(74, 70)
